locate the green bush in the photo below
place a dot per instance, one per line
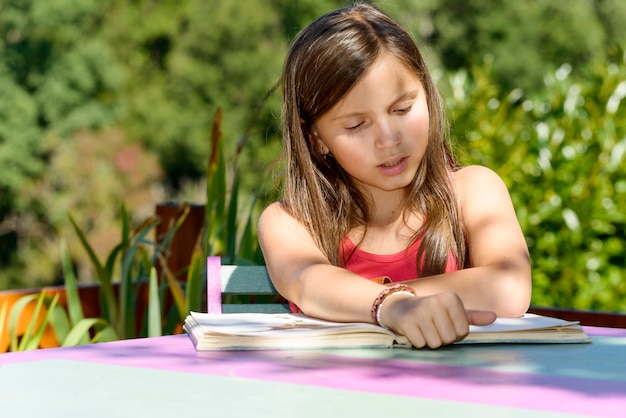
(562, 155)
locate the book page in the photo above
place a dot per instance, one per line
(241, 331)
(270, 324)
(523, 323)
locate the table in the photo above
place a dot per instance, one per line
(166, 377)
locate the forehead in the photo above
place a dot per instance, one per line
(386, 79)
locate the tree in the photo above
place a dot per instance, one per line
(154, 72)
(57, 77)
(189, 57)
(524, 39)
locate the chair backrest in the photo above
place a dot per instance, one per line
(225, 280)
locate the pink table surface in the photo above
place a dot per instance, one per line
(574, 379)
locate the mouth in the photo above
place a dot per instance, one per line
(393, 163)
(394, 166)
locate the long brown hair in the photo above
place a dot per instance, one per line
(324, 62)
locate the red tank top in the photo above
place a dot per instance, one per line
(398, 267)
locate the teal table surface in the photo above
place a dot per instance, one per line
(165, 376)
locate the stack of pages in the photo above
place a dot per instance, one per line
(255, 331)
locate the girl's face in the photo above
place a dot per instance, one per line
(378, 132)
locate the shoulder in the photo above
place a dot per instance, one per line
(276, 219)
(480, 189)
(271, 226)
(476, 179)
(283, 239)
(274, 209)
(473, 174)
(274, 213)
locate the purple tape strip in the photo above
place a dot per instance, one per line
(214, 285)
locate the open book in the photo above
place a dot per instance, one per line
(258, 331)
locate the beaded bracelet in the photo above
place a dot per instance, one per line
(380, 307)
(398, 288)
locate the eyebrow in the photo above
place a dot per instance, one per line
(408, 95)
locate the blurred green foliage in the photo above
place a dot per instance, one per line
(524, 38)
(563, 157)
(110, 101)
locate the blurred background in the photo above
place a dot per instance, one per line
(105, 103)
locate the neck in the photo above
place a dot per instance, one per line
(387, 209)
(385, 218)
(389, 230)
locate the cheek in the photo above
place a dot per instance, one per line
(352, 159)
(420, 123)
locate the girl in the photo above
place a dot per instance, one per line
(372, 191)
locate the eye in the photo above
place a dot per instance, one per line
(403, 110)
(354, 127)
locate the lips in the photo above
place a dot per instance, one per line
(394, 166)
(393, 163)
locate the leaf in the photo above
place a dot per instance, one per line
(154, 306)
(59, 322)
(81, 330)
(108, 303)
(216, 139)
(32, 335)
(215, 216)
(231, 223)
(164, 246)
(107, 333)
(125, 224)
(90, 252)
(126, 303)
(34, 341)
(249, 242)
(3, 316)
(74, 306)
(14, 317)
(176, 289)
(195, 281)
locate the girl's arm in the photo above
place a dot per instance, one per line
(499, 278)
(302, 274)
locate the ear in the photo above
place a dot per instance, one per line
(318, 142)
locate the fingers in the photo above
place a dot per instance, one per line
(438, 332)
(451, 324)
(441, 320)
(480, 317)
(437, 320)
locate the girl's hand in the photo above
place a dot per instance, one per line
(432, 321)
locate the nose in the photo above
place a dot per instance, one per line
(387, 135)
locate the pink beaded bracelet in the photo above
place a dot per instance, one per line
(378, 302)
